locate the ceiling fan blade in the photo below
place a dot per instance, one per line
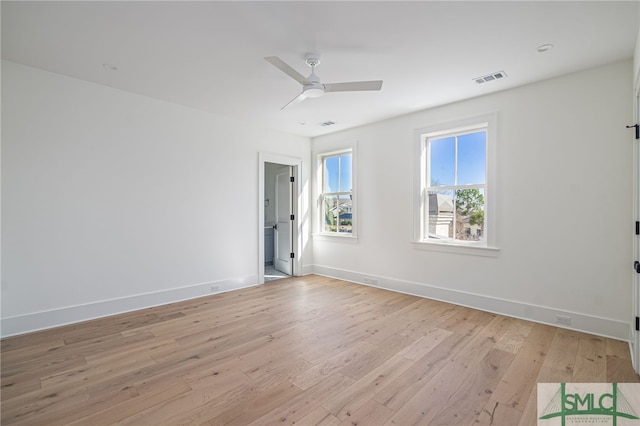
(354, 86)
(301, 97)
(285, 68)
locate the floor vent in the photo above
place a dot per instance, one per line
(490, 77)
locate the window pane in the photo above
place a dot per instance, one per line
(470, 214)
(331, 174)
(442, 158)
(330, 213)
(472, 158)
(345, 216)
(440, 218)
(345, 173)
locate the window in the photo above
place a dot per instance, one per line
(455, 184)
(336, 212)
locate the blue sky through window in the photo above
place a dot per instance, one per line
(338, 176)
(471, 160)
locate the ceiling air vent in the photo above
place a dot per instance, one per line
(327, 123)
(490, 77)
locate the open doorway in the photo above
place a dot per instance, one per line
(278, 211)
(278, 240)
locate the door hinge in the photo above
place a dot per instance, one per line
(293, 255)
(637, 227)
(637, 323)
(292, 179)
(292, 217)
(637, 130)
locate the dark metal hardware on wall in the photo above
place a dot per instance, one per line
(636, 266)
(637, 127)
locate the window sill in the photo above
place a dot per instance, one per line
(347, 238)
(457, 248)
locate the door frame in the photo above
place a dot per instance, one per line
(635, 334)
(285, 172)
(296, 247)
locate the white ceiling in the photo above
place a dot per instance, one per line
(209, 55)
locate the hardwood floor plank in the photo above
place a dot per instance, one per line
(620, 371)
(77, 408)
(494, 413)
(453, 375)
(371, 413)
(516, 384)
(322, 370)
(467, 402)
(34, 405)
(515, 336)
(425, 344)
(306, 350)
(95, 373)
(124, 410)
(368, 361)
(250, 410)
(302, 404)
(319, 417)
(560, 360)
(345, 403)
(591, 360)
(400, 391)
(529, 415)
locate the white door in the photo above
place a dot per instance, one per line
(282, 234)
(635, 340)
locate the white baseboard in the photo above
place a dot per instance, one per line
(72, 314)
(579, 321)
(306, 270)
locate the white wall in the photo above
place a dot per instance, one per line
(563, 203)
(114, 201)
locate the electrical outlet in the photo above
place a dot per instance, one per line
(563, 319)
(215, 288)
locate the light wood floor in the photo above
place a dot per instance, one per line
(310, 351)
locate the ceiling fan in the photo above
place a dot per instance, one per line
(312, 87)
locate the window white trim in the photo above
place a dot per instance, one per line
(319, 165)
(490, 246)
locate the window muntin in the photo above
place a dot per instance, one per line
(337, 193)
(454, 181)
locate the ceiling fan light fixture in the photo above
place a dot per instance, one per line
(313, 90)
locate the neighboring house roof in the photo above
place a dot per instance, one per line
(443, 201)
(341, 207)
